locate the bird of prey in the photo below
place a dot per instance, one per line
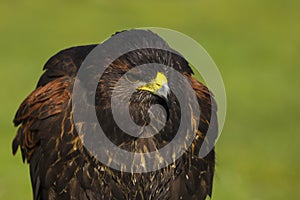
(61, 167)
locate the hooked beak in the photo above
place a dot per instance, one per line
(164, 91)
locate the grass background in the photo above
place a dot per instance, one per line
(255, 44)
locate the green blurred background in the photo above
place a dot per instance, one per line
(255, 44)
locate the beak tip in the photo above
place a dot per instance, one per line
(164, 91)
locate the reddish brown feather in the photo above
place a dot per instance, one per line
(42, 103)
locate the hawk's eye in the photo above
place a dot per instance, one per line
(133, 77)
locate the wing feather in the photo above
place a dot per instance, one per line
(44, 102)
(208, 120)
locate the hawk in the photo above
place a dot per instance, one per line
(62, 167)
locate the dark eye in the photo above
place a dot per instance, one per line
(132, 77)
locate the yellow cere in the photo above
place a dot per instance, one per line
(155, 84)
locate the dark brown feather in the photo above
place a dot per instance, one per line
(61, 167)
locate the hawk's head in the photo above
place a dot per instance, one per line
(158, 86)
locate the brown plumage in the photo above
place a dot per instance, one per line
(62, 168)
